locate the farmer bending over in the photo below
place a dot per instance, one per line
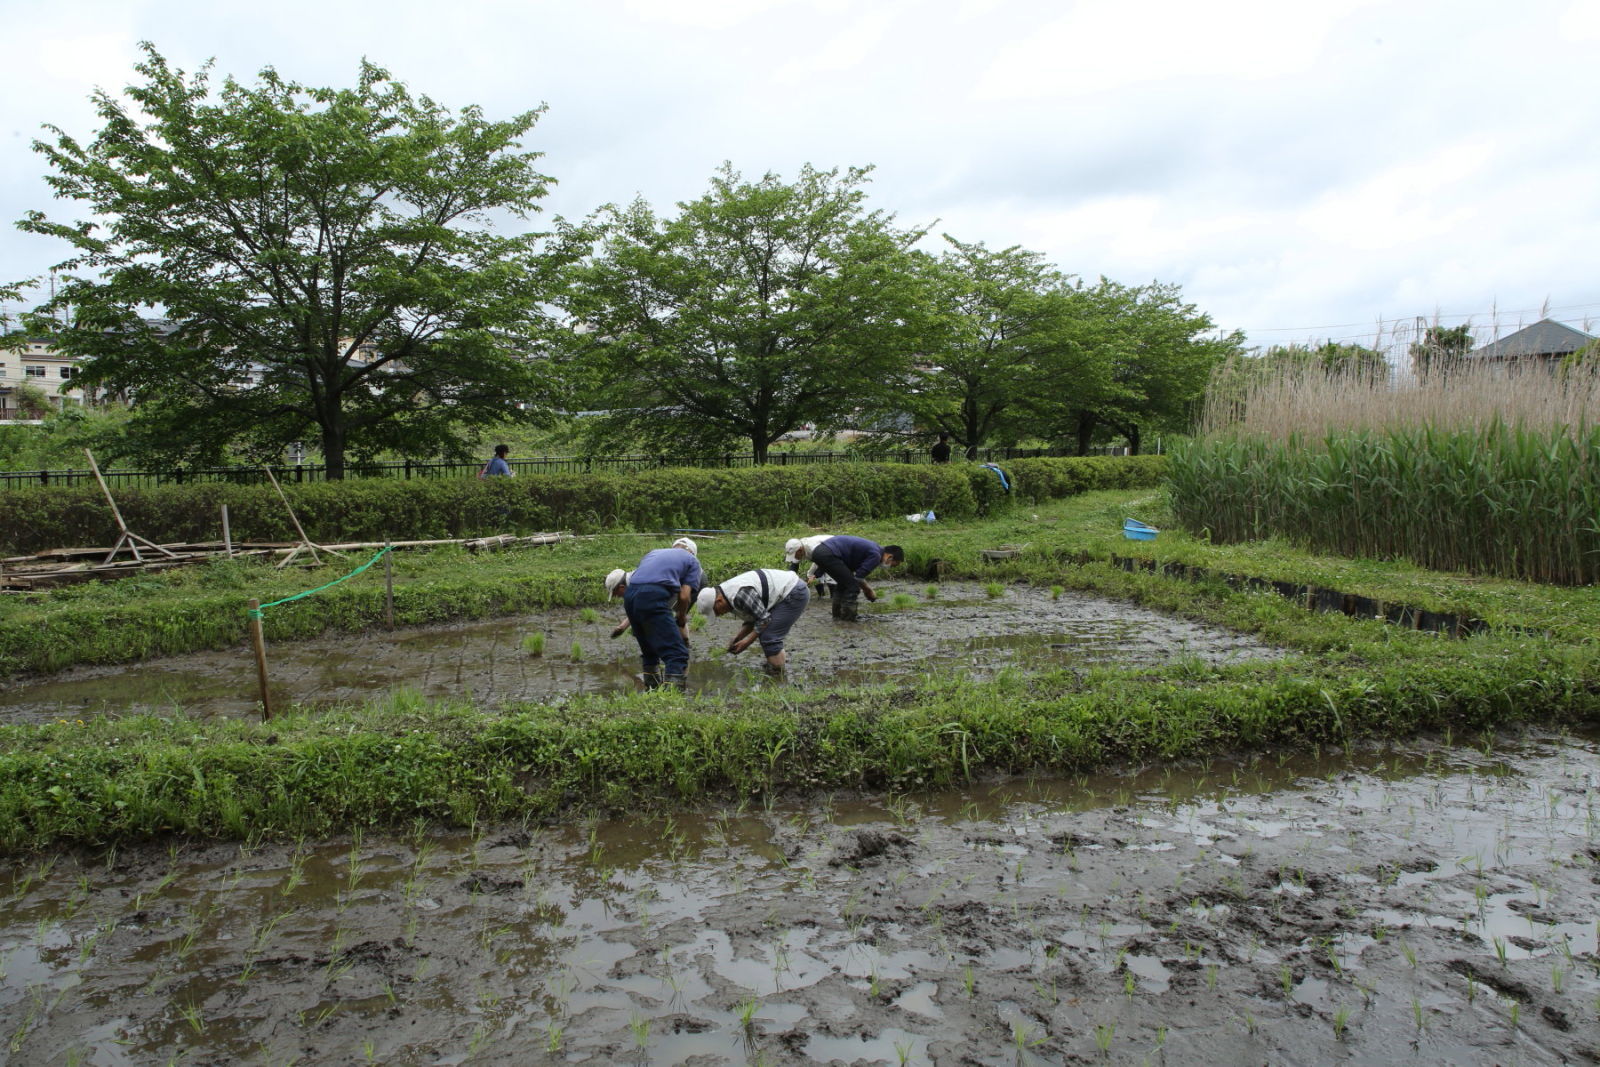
(657, 598)
(767, 601)
(848, 560)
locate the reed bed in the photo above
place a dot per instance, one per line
(1490, 470)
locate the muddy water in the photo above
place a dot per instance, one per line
(1423, 903)
(959, 626)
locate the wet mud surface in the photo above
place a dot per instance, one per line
(960, 626)
(1420, 903)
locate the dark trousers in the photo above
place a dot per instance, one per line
(849, 589)
(655, 627)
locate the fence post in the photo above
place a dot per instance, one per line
(258, 639)
(408, 469)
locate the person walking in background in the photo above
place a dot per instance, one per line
(848, 560)
(767, 601)
(657, 599)
(941, 448)
(498, 467)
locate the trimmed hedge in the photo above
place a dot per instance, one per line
(40, 518)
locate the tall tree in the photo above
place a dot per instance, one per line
(759, 308)
(322, 259)
(998, 316)
(1152, 357)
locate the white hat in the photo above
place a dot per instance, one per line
(791, 550)
(614, 579)
(707, 601)
(687, 545)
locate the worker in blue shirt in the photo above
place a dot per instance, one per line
(848, 560)
(659, 593)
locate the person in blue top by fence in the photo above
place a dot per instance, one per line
(498, 467)
(848, 560)
(659, 593)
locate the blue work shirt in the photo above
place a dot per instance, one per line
(857, 553)
(671, 567)
(498, 468)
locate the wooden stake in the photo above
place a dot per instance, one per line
(388, 585)
(259, 640)
(227, 535)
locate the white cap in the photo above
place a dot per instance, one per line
(614, 579)
(791, 550)
(687, 545)
(707, 601)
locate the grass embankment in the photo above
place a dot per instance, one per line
(405, 759)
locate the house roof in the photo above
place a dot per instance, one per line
(1544, 338)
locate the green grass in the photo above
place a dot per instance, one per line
(402, 759)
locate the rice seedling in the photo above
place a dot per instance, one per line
(1341, 1019)
(931, 592)
(533, 644)
(577, 651)
(994, 590)
(1103, 1034)
(901, 601)
(588, 616)
(639, 1026)
(1055, 592)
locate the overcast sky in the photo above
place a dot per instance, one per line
(1304, 169)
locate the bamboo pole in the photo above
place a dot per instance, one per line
(128, 537)
(259, 640)
(306, 544)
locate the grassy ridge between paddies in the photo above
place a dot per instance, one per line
(189, 610)
(403, 760)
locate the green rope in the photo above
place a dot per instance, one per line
(256, 613)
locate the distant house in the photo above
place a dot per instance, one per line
(1546, 341)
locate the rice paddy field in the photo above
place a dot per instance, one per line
(1230, 817)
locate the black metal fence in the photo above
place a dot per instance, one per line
(408, 469)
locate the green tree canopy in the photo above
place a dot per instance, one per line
(1439, 347)
(1138, 362)
(758, 308)
(998, 316)
(323, 260)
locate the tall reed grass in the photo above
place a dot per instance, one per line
(1487, 469)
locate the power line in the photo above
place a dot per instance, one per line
(1381, 324)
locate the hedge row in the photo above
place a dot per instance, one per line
(40, 518)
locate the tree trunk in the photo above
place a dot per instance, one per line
(1085, 431)
(1132, 433)
(333, 452)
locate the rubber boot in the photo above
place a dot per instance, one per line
(677, 681)
(837, 605)
(850, 610)
(650, 678)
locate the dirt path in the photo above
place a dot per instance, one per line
(1421, 903)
